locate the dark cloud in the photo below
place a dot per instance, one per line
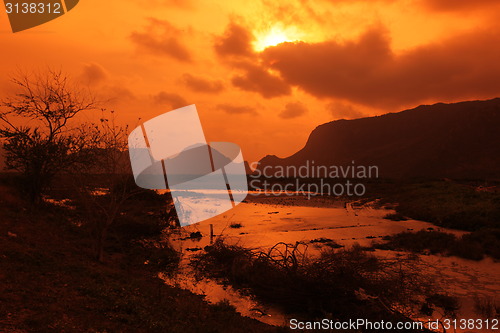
(236, 41)
(458, 5)
(93, 74)
(293, 110)
(200, 84)
(343, 111)
(172, 100)
(438, 5)
(236, 109)
(258, 79)
(163, 39)
(368, 72)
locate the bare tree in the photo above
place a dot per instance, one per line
(35, 125)
(105, 183)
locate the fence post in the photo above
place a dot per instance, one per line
(211, 234)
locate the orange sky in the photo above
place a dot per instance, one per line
(333, 59)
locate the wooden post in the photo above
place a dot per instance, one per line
(211, 234)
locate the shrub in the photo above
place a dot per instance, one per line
(224, 306)
(164, 258)
(487, 307)
(473, 246)
(340, 284)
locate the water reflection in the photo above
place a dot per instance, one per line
(263, 222)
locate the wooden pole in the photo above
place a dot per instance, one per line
(211, 234)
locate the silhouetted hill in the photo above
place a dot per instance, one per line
(459, 140)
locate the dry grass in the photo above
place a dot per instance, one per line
(50, 282)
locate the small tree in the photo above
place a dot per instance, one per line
(106, 182)
(38, 140)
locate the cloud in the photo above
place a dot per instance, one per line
(352, 1)
(162, 39)
(118, 94)
(172, 100)
(258, 79)
(236, 41)
(458, 5)
(203, 85)
(368, 72)
(235, 109)
(438, 5)
(343, 111)
(184, 4)
(293, 110)
(93, 74)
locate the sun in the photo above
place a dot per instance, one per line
(274, 36)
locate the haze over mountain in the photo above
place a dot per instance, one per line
(459, 140)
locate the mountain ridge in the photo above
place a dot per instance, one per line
(456, 140)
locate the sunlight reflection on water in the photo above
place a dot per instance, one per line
(258, 225)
